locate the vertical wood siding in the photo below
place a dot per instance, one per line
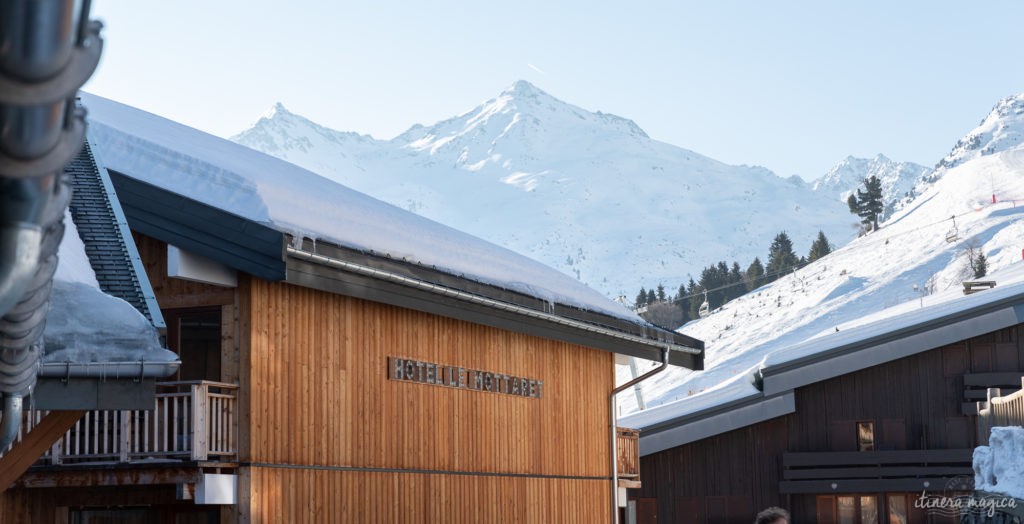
(914, 403)
(319, 396)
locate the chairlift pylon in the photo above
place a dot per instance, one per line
(953, 234)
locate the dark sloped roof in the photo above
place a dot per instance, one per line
(104, 230)
(827, 357)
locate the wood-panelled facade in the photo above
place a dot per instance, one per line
(326, 436)
(332, 439)
(811, 461)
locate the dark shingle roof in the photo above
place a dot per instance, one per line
(104, 231)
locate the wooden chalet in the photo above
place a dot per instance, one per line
(852, 427)
(329, 382)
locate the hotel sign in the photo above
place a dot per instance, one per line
(409, 370)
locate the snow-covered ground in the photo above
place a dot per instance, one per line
(919, 257)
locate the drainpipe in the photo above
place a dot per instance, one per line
(48, 49)
(615, 424)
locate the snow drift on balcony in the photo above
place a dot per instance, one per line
(293, 200)
(88, 326)
(999, 467)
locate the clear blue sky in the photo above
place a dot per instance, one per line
(792, 86)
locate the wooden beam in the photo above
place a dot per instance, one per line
(26, 452)
(1012, 379)
(131, 475)
(824, 487)
(823, 459)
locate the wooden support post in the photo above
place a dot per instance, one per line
(25, 453)
(200, 410)
(124, 433)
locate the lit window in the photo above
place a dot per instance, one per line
(866, 436)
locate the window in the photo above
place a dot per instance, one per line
(195, 335)
(868, 509)
(847, 509)
(897, 509)
(866, 436)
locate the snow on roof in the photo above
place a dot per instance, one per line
(1010, 284)
(737, 388)
(86, 325)
(295, 201)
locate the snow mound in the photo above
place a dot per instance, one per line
(999, 467)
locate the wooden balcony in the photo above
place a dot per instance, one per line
(628, 449)
(1000, 410)
(191, 421)
(873, 471)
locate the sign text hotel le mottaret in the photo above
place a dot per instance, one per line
(456, 377)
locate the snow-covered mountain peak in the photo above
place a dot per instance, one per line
(1001, 130)
(898, 178)
(585, 192)
(521, 112)
(274, 111)
(288, 136)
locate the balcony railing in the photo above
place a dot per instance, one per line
(864, 471)
(194, 421)
(628, 447)
(1000, 411)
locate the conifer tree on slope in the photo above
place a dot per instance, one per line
(819, 248)
(755, 274)
(781, 258)
(641, 298)
(867, 204)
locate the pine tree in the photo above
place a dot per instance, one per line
(755, 274)
(735, 280)
(980, 265)
(781, 258)
(867, 204)
(661, 293)
(641, 298)
(651, 297)
(819, 248)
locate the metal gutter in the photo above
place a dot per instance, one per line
(483, 301)
(113, 370)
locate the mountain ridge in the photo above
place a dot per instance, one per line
(586, 192)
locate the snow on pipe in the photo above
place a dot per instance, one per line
(48, 49)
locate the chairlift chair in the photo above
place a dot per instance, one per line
(704, 308)
(952, 234)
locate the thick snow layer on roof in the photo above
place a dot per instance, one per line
(737, 388)
(87, 326)
(999, 467)
(293, 200)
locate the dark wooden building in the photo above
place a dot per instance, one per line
(851, 427)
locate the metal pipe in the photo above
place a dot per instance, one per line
(48, 49)
(11, 422)
(613, 415)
